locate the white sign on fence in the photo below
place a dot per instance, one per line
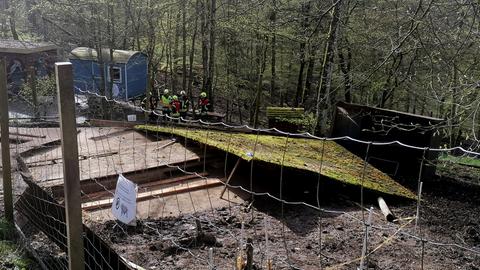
(124, 206)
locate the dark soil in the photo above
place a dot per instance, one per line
(303, 238)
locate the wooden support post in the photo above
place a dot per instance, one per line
(199, 228)
(419, 199)
(249, 254)
(6, 166)
(71, 174)
(230, 177)
(364, 258)
(267, 255)
(240, 262)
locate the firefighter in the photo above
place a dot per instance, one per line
(184, 104)
(175, 106)
(203, 104)
(165, 102)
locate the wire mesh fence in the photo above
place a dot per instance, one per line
(181, 222)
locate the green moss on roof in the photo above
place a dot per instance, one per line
(338, 163)
(285, 112)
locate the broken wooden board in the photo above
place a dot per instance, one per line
(107, 182)
(300, 153)
(188, 186)
(106, 152)
(130, 160)
(29, 141)
(150, 185)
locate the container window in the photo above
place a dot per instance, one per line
(115, 74)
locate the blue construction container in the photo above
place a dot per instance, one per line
(126, 70)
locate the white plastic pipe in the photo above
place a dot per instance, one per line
(385, 210)
(210, 258)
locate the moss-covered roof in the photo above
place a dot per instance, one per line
(338, 163)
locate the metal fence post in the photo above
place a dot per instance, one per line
(6, 166)
(66, 106)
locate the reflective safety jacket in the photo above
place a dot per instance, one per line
(185, 103)
(166, 100)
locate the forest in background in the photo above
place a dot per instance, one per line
(413, 56)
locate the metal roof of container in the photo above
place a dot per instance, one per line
(24, 47)
(119, 56)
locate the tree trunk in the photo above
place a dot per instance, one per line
(309, 78)
(150, 50)
(183, 3)
(204, 29)
(326, 75)
(111, 44)
(173, 65)
(192, 52)
(304, 25)
(345, 67)
(299, 91)
(211, 60)
(273, 20)
(32, 16)
(262, 59)
(11, 20)
(453, 109)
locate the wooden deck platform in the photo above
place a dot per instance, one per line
(106, 152)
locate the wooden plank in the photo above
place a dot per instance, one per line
(132, 159)
(164, 146)
(91, 148)
(113, 123)
(202, 184)
(230, 177)
(109, 181)
(5, 142)
(27, 135)
(52, 138)
(71, 171)
(56, 160)
(151, 185)
(111, 134)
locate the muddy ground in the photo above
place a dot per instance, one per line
(449, 215)
(303, 238)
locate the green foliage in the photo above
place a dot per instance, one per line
(299, 153)
(43, 86)
(6, 230)
(304, 123)
(413, 56)
(462, 160)
(14, 258)
(11, 256)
